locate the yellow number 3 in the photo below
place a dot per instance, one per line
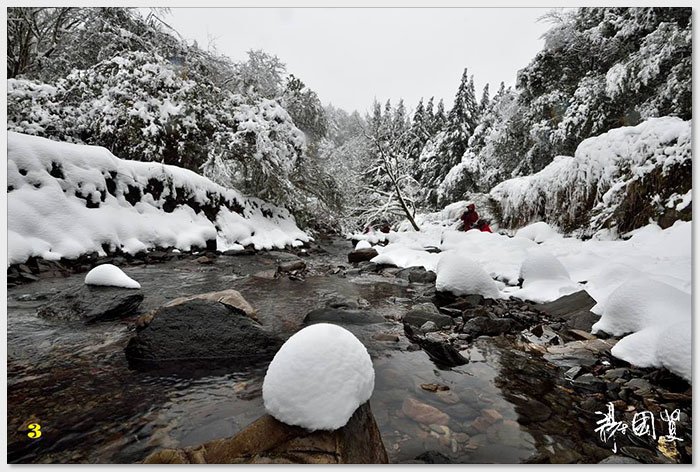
(36, 430)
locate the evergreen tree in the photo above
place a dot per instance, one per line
(485, 100)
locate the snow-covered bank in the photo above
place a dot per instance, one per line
(620, 179)
(555, 266)
(65, 200)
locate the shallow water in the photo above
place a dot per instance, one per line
(74, 379)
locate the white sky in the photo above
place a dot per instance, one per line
(349, 56)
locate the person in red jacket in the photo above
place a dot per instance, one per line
(483, 225)
(469, 217)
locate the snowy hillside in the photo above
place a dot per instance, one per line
(65, 200)
(619, 180)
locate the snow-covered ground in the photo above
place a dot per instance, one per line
(66, 199)
(551, 265)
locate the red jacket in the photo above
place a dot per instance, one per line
(469, 217)
(486, 228)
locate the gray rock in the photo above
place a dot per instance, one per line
(360, 255)
(572, 373)
(429, 326)
(573, 309)
(417, 275)
(541, 335)
(616, 459)
(590, 382)
(291, 266)
(418, 317)
(89, 303)
(641, 387)
(619, 373)
(340, 316)
(200, 333)
(483, 326)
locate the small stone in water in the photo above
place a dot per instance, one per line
(431, 387)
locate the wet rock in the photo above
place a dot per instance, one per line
(454, 313)
(291, 266)
(484, 326)
(590, 382)
(573, 309)
(202, 334)
(580, 335)
(230, 297)
(432, 387)
(640, 387)
(361, 255)
(204, 260)
(89, 303)
(578, 353)
(491, 415)
(386, 337)
(617, 459)
(440, 351)
(529, 410)
(417, 275)
(619, 373)
(268, 274)
(340, 316)
(268, 441)
(541, 334)
(429, 327)
(572, 373)
(466, 302)
(419, 315)
(434, 457)
(423, 413)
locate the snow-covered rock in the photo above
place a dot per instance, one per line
(318, 378)
(65, 200)
(538, 232)
(363, 245)
(110, 275)
(461, 275)
(659, 318)
(545, 279)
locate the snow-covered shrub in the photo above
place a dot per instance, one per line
(544, 278)
(619, 179)
(66, 199)
(142, 107)
(318, 378)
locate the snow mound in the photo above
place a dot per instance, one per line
(400, 255)
(363, 245)
(538, 232)
(545, 279)
(318, 378)
(65, 200)
(659, 318)
(110, 275)
(638, 304)
(461, 275)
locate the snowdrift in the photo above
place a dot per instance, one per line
(66, 199)
(618, 180)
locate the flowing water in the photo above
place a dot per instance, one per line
(75, 382)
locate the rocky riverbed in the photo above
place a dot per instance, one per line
(458, 379)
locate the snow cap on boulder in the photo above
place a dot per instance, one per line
(461, 275)
(318, 378)
(110, 275)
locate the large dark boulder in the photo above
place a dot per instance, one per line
(200, 333)
(90, 303)
(360, 255)
(342, 316)
(573, 309)
(268, 441)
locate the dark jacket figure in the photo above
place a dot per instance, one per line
(469, 217)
